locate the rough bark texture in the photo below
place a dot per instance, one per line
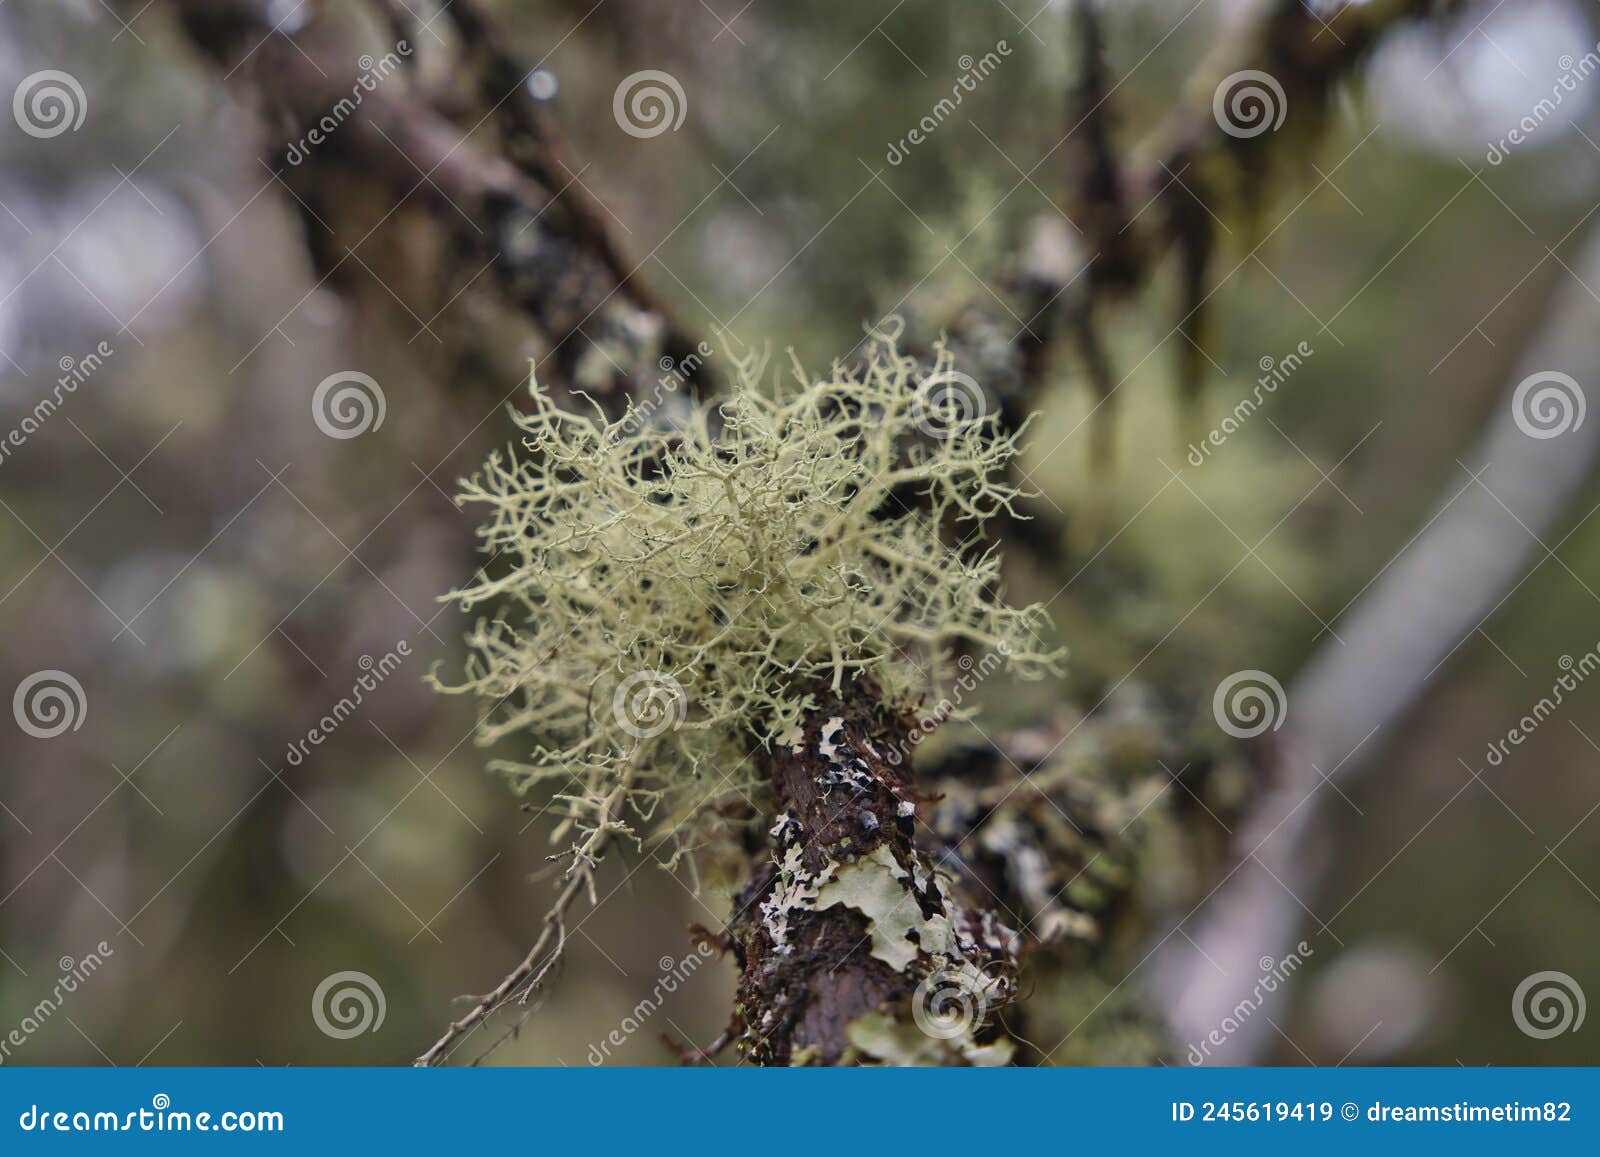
(513, 212)
(1089, 833)
(849, 925)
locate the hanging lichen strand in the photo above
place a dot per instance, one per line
(669, 602)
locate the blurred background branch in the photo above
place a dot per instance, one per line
(1463, 564)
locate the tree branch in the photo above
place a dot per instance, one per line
(517, 213)
(853, 948)
(1467, 560)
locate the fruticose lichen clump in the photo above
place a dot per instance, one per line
(670, 600)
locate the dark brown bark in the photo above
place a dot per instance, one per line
(510, 207)
(826, 942)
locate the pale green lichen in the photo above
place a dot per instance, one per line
(964, 962)
(872, 886)
(886, 894)
(667, 602)
(887, 1041)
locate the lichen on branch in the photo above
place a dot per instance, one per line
(670, 600)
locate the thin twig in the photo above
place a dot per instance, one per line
(547, 951)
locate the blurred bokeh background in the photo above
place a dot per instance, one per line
(216, 573)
